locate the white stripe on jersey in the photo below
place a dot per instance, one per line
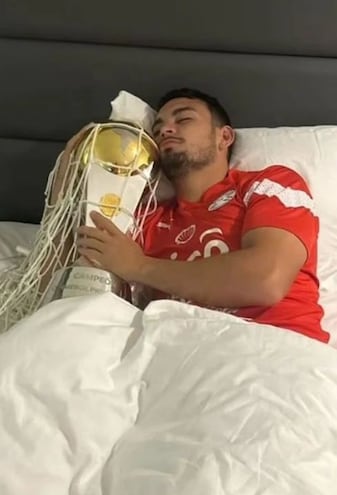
(291, 198)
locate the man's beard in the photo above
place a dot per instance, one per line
(177, 164)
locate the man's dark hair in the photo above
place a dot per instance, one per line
(219, 115)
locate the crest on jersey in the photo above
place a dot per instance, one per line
(185, 235)
(222, 200)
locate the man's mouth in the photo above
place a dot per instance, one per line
(169, 142)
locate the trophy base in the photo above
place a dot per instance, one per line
(78, 281)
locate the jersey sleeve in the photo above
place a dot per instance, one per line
(279, 197)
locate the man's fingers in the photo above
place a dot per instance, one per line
(74, 141)
(91, 255)
(90, 243)
(93, 232)
(79, 136)
(104, 223)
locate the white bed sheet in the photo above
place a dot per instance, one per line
(201, 403)
(12, 236)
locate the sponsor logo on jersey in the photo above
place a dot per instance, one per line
(206, 249)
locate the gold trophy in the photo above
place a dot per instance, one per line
(117, 161)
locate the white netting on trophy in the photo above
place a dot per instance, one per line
(21, 291)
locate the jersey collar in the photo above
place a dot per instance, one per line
(211, 194)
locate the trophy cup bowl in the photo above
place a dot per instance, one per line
(120, 147)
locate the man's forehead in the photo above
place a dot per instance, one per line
(176, 104)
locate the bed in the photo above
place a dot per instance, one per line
(98, 397)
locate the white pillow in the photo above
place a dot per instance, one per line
(13, 234)
(312, 152)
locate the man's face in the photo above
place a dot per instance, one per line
(186, 136)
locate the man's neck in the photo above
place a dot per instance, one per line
(195, 184)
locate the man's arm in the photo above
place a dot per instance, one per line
(260, 273)
(59, 185)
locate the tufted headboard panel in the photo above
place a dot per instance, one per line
(269, 63)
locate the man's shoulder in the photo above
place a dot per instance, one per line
(275, 174)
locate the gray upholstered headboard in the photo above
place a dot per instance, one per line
(270, 62)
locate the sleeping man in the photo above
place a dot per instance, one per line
(234, 241)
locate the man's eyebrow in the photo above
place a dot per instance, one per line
(175, 112)
(183, 109)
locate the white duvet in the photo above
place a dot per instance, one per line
(97, 398)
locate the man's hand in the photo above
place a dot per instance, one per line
(64, 172)
(77, 138)
(108, 248)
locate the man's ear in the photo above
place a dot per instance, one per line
(227, 137)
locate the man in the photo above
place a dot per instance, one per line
(242, 242)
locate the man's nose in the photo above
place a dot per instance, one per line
(167, 130)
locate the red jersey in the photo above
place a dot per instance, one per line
(274, 197)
